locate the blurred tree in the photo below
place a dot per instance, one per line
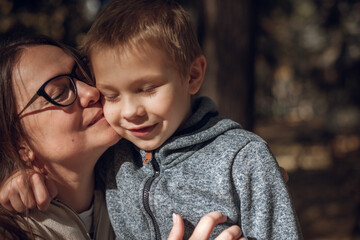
(308, 61)
(64, 20)
(232, 30)
(226, 31)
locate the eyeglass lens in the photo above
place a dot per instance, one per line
(61, 90)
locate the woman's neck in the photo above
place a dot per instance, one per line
(75, 188)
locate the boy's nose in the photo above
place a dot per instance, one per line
(87, 94)
(132, 109)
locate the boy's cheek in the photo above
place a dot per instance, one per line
(110, 115)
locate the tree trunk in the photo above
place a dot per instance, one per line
(228, 44)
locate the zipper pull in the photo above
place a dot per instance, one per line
(147, 158)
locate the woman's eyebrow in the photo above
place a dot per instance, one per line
(65, 72)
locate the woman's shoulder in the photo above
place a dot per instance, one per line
(12, 226)
(58, 222)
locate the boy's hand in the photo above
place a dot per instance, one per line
(16, 196)
(204, 228)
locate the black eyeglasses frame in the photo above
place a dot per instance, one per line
(41, 92)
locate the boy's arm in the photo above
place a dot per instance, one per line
(22, 191)
(265, 206)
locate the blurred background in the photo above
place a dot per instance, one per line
(289, 70)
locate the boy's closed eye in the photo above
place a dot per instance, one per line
(113, 97)
(108, 94)
(147, 90)
(109, 97)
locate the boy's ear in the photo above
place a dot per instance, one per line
(196, 74)
(26, 153)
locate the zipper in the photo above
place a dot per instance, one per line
(146, 194)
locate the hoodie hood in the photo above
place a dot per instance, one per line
(202, 127)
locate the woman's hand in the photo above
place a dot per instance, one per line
(284, 174)
(204, 228)
(17, 195)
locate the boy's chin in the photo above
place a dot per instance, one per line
(147, 146)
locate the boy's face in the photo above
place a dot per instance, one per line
(145, 98)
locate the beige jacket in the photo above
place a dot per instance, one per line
(61, 222)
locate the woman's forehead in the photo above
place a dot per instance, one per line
(44, 59)
(37, 64)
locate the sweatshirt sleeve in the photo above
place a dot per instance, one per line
(265, 206)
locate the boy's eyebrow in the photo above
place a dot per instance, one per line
(136, 82)
(147, 79)
(104, 86)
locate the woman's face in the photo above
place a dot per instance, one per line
(69, 136)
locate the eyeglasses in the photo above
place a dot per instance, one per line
(60, 90)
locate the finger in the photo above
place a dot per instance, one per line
(233, 232)
(7, 205)
(177, 231)
(284, 174)
(10, 192)
(24, 192)
(4, 198)
(17, 203)
(206, 225)
(27, 197)
(41, 193)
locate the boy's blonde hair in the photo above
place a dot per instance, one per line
(128, 23)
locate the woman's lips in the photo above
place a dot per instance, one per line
(142, 132)
(97, 119)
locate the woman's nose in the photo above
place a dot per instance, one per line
(87, 94)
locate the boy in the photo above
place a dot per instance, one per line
(189, 160)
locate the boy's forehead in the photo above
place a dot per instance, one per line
(120, 53)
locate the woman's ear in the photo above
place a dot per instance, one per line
(26, 153)
(196, 74)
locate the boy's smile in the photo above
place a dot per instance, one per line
(143, 131)
(145, 98)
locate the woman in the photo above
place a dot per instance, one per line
(52, 122)
(61, 136)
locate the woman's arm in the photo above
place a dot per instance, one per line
(16, 196)
(27, 191)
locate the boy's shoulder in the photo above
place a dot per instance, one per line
(236, 134)
(236, 141)
(243, 135)
(218, 126)
(244, 147)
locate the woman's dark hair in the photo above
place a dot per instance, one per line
(10, 226)
(11, 129)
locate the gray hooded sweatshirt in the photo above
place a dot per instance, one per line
(209, 164)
